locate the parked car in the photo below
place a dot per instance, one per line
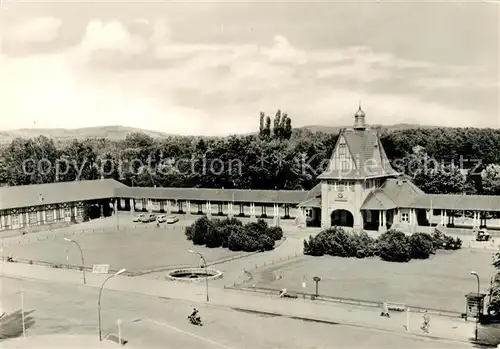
(172, 219)
(161, 218)
(482, 235)
(149, 218)
(138, 218)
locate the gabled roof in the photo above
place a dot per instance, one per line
(378, 200)
(369, 157)
(209, 194)
(314, 202)
(457, 202)
(393, 193)
(314, 192)
(53, 193)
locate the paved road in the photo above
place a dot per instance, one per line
(153, 322)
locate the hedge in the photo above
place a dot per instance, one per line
(232, 234)
(392, 246)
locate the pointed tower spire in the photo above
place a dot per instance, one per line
(359, 119)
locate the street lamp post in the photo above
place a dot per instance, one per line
(478, 290)
(81, 254)
(206, 272)
(121, 271)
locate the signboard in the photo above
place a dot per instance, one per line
(100, 268)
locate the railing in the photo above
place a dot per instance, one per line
(55, 265)
(351, 301)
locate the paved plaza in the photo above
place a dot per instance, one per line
(437, 283)
(134, 246)
(156, 322)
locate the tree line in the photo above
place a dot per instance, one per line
(277, 157)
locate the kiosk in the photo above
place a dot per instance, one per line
(474, 305)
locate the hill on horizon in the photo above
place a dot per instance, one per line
(116, 132)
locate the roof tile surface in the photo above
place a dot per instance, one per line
(52, 193)
(367, 154)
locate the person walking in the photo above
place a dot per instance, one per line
(385, 310)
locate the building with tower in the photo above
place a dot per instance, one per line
(360, 189)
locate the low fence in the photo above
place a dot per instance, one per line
(248, 276)
(57, 265)
(398, 307)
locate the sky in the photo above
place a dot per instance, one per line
(211, 67)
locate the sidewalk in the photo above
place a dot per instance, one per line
(440, 327)
(58, 342)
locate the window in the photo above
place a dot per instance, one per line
(404, 217)
(49, 215)
(342, 149)
(344, 165)
(67, 212)
(79, 211)
(15, 219)
(348, 186)
(341, 186)
(33, 219)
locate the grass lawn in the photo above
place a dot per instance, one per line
(133, 248)
(438, 283)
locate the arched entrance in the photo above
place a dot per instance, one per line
(342, 218)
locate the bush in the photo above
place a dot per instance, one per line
(442, 241)
(266, 243)
(189, 232)
(365, 245)
(337, 242)
(421, 246)
(231, 233)
(257, 228)
(238, 239)
(394, 246)
(313, 247)
(275, 233)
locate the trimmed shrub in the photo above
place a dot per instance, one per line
(421, 246)
(313, 247)
(338, 242)
(266, 243)
(275, 233)
(238, 239)
(394, 246)
(231, 233)
(365, 245)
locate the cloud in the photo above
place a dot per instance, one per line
(360, 71)
(150, 80)
(283, 52)
(110, 37)
(37, 30)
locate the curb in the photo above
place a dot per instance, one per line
(355, 325)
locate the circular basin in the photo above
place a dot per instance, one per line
(194, 274)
